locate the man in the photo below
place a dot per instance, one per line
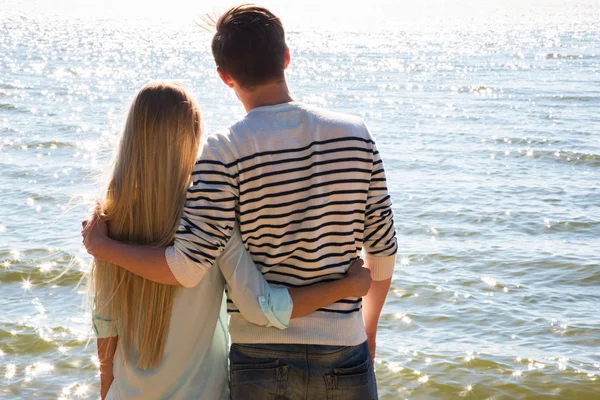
(308, 190)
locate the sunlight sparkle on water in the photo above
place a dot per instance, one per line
(82, 390)
(66, 391)
(38, 368)
(26, 285)
(95, 360)
(404, 318)
(395, 367)
(469, 357)
(562, 364)
(491, 282)
(46, 267)
(11, 370)
(16, 255)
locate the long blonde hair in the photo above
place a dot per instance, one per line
(144, 203)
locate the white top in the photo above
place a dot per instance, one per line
(308, 189)
(194, 365)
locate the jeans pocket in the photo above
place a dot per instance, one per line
(258, 380)
(353, 383)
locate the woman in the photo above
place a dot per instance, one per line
(158, 341)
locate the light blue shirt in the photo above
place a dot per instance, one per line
(194, 364)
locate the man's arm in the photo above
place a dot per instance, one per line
(380, 247)
(206, 225)
(146, 261)
(372, 305)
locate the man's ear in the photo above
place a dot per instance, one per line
(286, 62)
(226, 78)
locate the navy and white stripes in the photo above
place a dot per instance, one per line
(308, 189)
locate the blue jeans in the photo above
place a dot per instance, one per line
(301, 372)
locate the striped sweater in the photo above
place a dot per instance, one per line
(308, 189)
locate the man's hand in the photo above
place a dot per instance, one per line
(94, 232)
(359, 279)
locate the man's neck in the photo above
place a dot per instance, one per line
(269, 94)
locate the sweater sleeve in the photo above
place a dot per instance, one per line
(209, 214)
(379, 241)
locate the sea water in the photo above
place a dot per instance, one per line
(489, 126)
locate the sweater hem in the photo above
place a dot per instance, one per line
(317, 328)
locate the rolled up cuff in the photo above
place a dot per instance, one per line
(277, 305)
(188, 273)
(104, 327)
(382, 268)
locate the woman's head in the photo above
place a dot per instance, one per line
(154, 161)
(144, 202)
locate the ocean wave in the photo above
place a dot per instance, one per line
(35, 277)
(572, 98)
(565, 157)
(32, 145)
(14, 86)
(478, 89)
(52, 145)
(559, 55)
(439, 376)
(41, 267)
(25, 340)
(524, 140)
(7, 106)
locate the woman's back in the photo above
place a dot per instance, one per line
(194, 363)
(167, 345)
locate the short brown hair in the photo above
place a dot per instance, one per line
(249, 44)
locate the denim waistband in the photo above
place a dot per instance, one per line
(312, 349)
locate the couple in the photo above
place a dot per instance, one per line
(276, 211)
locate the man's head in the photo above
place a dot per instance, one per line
(249, 47)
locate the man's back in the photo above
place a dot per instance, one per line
(311, 188)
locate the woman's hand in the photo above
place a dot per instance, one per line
(358, 279)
